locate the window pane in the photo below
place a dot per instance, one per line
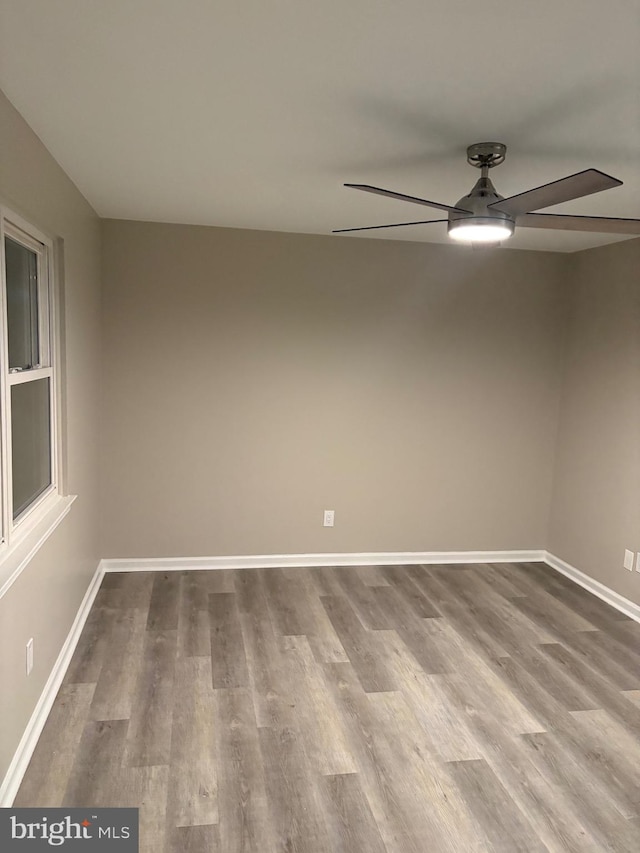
(22, 305)
(30, 442)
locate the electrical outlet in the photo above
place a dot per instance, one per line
(329, 517)
(628, 560)
(30, 656)
(638, 562)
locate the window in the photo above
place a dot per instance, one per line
(28, 434)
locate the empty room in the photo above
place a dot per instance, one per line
(320, 426)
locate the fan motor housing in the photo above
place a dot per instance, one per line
(477, 201)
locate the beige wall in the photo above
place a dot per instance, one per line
(44, 600)
(254, 379)
(595, 511)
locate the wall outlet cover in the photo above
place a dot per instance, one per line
(628, 560)
(30, 656)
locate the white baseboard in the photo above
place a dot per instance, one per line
(384, 558)
(266, 561)
(22, 756)
(629, 608)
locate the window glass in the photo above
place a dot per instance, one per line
(30, 442)
(22, 305)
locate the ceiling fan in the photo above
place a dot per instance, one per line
(484, 216)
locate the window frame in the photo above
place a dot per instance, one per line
(14, 530)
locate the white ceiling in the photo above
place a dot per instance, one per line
(252, 113)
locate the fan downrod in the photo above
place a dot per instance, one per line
(486, 155)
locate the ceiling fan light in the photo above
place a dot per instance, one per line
(480, 230)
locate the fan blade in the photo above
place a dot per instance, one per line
(393, 225)
(566, 189)
(401, 197)
(601, 224)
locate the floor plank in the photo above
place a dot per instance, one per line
(193, 791)
(115, 691)
(164, 604)
(53, 760)
(589, 799)
(294, 800)
(228, 660)
(193, 839)
(244, 822)
(194, 629)
(149, 731)
(94, 777)
(506, 828)
(349, 819)
(316, 718)
(146, 788)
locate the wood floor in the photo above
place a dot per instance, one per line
(406, 709)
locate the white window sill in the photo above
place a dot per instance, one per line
(16, 558)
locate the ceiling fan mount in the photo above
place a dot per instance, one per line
(484, 216)
(486, 154)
